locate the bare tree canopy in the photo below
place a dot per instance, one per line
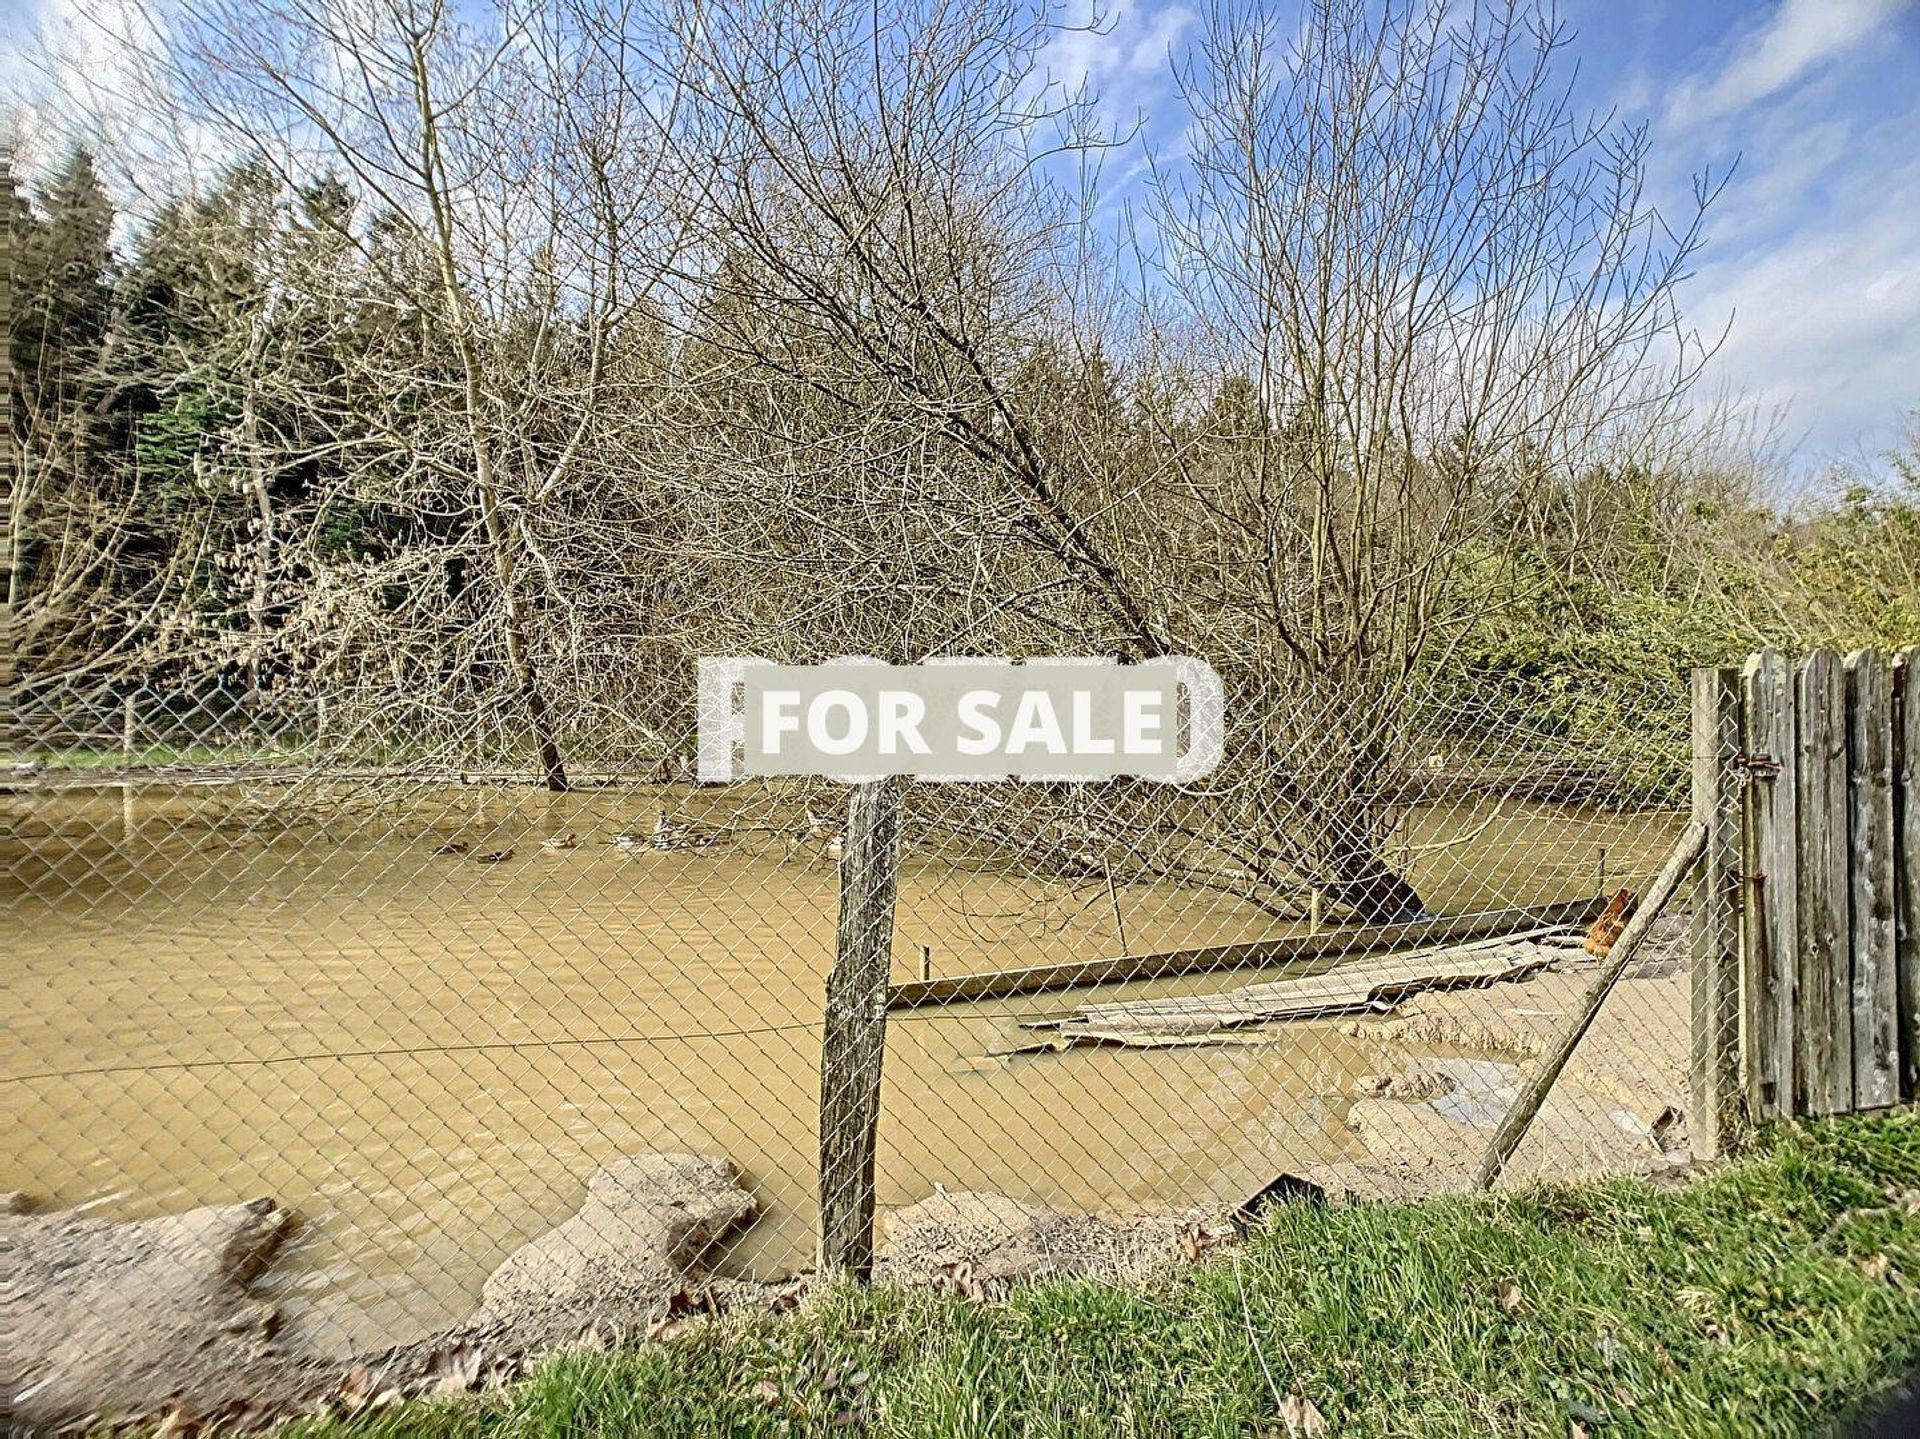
(519, 355)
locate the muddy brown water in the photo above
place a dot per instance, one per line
(426, 1056)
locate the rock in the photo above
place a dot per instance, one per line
(982, 1242)
(109, 1318)
(1419, 1084)
(15, 1201)
(646, 1226)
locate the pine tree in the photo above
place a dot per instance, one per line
(63, 296)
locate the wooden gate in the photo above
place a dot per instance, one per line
(1807, 929)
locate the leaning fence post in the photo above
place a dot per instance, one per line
(1767, 976)
(1823, 1001)
(1875, 990)
(1716, 914)
(1906, 859)
(853, 1043)
(1513, 1125)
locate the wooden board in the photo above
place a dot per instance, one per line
(1906, 847)
(1368, 984)
(1685, 858)
(1875, 990)
(1767, 971)
(1823, 1048)
(1328, 945)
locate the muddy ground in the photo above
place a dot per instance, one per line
(1618, 1107)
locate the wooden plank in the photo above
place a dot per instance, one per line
(1714, 1121)
(1767, 967)
(1332, 944)
(1515, 1122)
(853, 1042)
(1906, 866)
(1823, 1000)
(1364, 984)
(1875, 995)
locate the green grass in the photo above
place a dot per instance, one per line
(1775, 1297)
(253, 756)
(145, 756)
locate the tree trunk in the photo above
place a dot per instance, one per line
(263, 559)
(1365, 883)
(539, 718)
(519, 653)
(552, 770)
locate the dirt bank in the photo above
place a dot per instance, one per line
(105, 1319)
(108, 1321)
(978, 1244)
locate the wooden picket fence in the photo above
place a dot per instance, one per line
(1807, 928)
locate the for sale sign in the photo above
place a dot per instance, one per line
(963, 720)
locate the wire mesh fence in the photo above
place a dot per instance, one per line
(264, 945)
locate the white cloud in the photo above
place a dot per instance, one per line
(1119, 50)
(1797, 39)
(1813, 250)
(1826, 313)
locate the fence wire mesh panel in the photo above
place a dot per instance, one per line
(359, 957)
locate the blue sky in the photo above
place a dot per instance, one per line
(1813, 251)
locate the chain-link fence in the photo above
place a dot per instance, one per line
(367, 964)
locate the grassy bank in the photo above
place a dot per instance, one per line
(1772, 1298)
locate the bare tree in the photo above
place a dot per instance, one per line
(515, 217)
(1432, 282)
(1438, 287)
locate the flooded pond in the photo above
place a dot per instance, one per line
(426, 1056)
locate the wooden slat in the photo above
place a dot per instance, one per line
(1823, 999)
(1363, 984)
(1332, 944)
(1906, 865)
(1714, 1121)
(853, 1041)
(1767, 967)
(1876, 1049)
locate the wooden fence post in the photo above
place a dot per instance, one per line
(1823, 997)
(1767, 970)
(1906, 860)
(1875, 983)
(853, 1043)
(1714, 1122)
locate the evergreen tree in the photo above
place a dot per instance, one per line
(62, 303)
